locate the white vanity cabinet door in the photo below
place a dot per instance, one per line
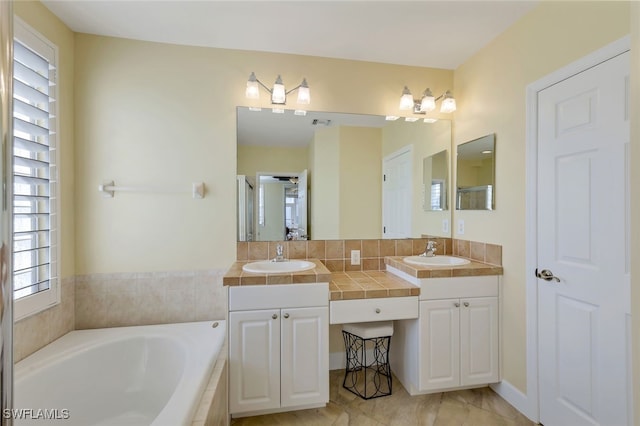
(479, 347)
(254, 360)
(305, 358)
(458, 343)
(439, 344)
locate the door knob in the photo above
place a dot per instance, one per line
(547, 275)
(274, 316)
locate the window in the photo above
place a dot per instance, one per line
(35, 216)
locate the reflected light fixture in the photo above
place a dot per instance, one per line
(278, 91)
(427, 103)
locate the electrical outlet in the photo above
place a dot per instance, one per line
(355, 257)
(445, 226)
(460, 226)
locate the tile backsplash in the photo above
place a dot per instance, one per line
(336, 254)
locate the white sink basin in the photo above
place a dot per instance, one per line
(436, 261)
(269, 267)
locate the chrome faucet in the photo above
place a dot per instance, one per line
(430, 250)
(279, 254)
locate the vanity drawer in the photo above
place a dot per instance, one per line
(377, 309)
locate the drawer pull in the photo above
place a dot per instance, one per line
(377, 310)
(274, 316)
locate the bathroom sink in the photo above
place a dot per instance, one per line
(436, 261)
(287, 266)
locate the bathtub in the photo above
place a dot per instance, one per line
(142, 375)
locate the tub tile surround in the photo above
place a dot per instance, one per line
(36, 331)
(115, 300)
(212, 409)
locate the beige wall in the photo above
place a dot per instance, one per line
(360, 183)
(324, 217)
(149, 113)
(253, 159)
(491, 90)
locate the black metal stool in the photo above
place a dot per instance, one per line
(359, 337)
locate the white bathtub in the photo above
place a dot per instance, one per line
(143, 375)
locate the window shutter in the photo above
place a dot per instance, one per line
(34, 177)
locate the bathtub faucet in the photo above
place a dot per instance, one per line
(279, 254)
(430, 250)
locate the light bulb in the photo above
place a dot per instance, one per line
(406, 101)
(304, 96)
(252, 91)
(278, 94)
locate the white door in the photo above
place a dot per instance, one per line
(583, 131)
(254, 360)
(439, 344)
(479, 363)
(305, 358)
(302, 203)
(397, 194)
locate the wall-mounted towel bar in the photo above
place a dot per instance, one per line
(108, 189)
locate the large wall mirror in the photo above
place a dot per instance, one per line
(319, 176)
(475, 174)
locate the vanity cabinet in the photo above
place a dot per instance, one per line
(458, 343)
(278, 356)
(455, 342)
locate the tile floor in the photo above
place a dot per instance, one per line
(479, 407)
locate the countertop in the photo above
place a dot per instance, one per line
(368, 285)
(351, 285)
(473, 268)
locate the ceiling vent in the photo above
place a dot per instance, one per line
(320, 122)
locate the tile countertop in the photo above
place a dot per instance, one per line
(471, 269)
(368, 285)
(342, 285)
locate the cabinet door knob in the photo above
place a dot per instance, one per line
(457, 305)
(466, 304)
(274, 316)
(377, 310)
(286, 316)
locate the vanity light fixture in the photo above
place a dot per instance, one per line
(278, 92)
(427, 103)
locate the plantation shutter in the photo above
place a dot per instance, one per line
(34, 177)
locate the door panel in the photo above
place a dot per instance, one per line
(479, 348)
(305, 361)
(254, 360)
(583, 133)
(440, 344)
(397, 194)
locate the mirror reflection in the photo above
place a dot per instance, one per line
(475, 177)
(435, 179)
(342, 155)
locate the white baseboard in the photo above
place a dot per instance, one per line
(515, 397)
